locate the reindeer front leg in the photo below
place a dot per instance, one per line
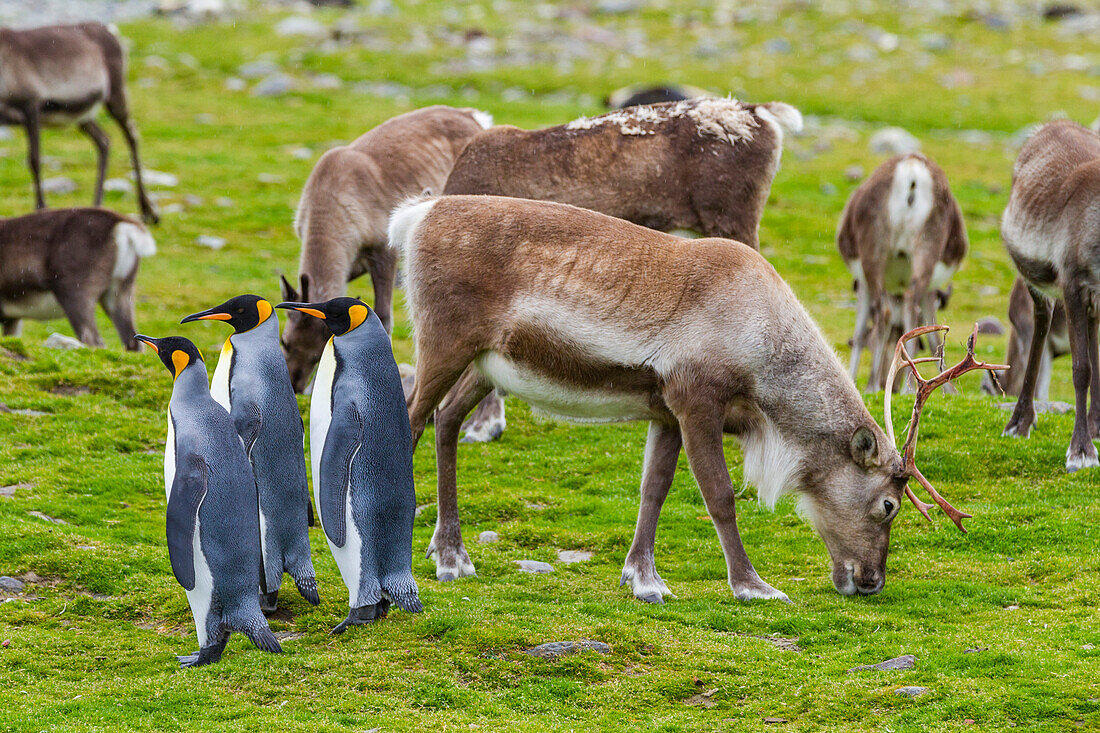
(662, 449)
(701, 427)
(451, 559)
(1023, 416)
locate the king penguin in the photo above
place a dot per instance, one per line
(213, 534)
(361, 453)
(252, 383)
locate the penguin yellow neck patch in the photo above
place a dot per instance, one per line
(264, 309)
(180, 360)
(357, 314)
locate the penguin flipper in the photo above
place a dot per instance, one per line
(188, 489)
(345, 436)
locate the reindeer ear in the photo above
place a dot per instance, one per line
(864, 447)
(305, 288)
(289, 293)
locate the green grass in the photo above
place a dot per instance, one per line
(92, 644)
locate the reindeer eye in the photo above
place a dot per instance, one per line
(888, 506)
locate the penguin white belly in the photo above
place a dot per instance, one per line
(219, 385)
(320, 414)
(200, 597)
(349, 558)
(169, 458)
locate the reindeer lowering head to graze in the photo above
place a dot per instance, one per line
(345, 208)
(700, 164)
(62, 75)
(59, 263)
(1051, 229)
(591, 318)
(902, 237)
(1021, 316)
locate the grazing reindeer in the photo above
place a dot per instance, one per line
(1051, 229)
(61, 262)
(701, 164)
(61, 75)
(902, 237)
(1021, 316)
(345, 209)
(591, 318)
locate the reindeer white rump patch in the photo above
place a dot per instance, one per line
(725, 119)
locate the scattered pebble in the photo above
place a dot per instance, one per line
(208, 240)
(258, 69)
(778, 45)
(534, 566)
(235, 84)
(302, 153)
(572, 556)
(47, 517)
(299, 25)
(854, 173)
(906, 661)
(991, 326)
(556, 649)
(269, 178)
(828, 189)
(774, 721)
(488, 537)
(894, 141)
(223, 201)
(158, 178)
(273, 85)
(9, 584)
(117, 185)
(9, 491)
(59, 184)
(61, 341)
(326, 81)
(911, 691)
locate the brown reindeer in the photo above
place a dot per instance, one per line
(902, 237)
(592, 318)
(61, 75)
(345, 209)
(61, 262)
(1051, 229)
(701, 164)
(1021, 317)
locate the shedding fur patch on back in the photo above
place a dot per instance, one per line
(725, 119)
(771, 463)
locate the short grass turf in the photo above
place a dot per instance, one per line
(1002, 621)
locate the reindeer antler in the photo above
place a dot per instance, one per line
(925, 388)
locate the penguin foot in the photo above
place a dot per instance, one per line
(269, 602)
(207, 655)
(363, 615)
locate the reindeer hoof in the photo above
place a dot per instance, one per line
(1076, 460)
(758, 591)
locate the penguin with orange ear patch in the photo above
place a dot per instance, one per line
(252, 383)
(213, 534)
(361, 451)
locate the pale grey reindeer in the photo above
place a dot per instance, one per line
(62, 262)
(1051, 229)
(592, 318)
(902, 237)
(1021, 318)
(704, 165)
(345, 208)
(61, 75)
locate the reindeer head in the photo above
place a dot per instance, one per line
(855, 523)
(303, 337)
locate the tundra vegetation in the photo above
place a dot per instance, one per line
(1003, 621)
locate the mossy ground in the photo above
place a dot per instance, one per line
(92, 645)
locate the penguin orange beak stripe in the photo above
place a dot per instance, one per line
(215, 317)
(312, 312)
(147, 340)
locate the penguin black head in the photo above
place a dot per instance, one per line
(243, 313)
(176, 352)
(341, 315)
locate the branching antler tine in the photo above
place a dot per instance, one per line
(954, 514)
(920, 505)
(895, 366)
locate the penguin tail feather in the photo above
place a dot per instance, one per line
(259, 634)
(307, 586)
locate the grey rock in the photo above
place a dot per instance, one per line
(9, 584)
(269, 178)
(258, 69)
(300, 25)
(911, 691)
(207, 240)
(854, 173)
(186, 59)
(117, 185)
(47, 517)
(534, 566)
(326, 81)
(905, 661)
(618, 7)
(572, 556)
(991, 326)
(59, 184)
(9, 491)
(153, 61)
(556, 649)
(778, 45)
(223, 202)
(1041, 407)
(935, 42)
(85, 547)
(6, 134)
(273, 85)
(61, 341)
(828, 189)
(159, 178)
(302, 153)
(894, 141)
(235, 84)
(996, 22)
(488, 537)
